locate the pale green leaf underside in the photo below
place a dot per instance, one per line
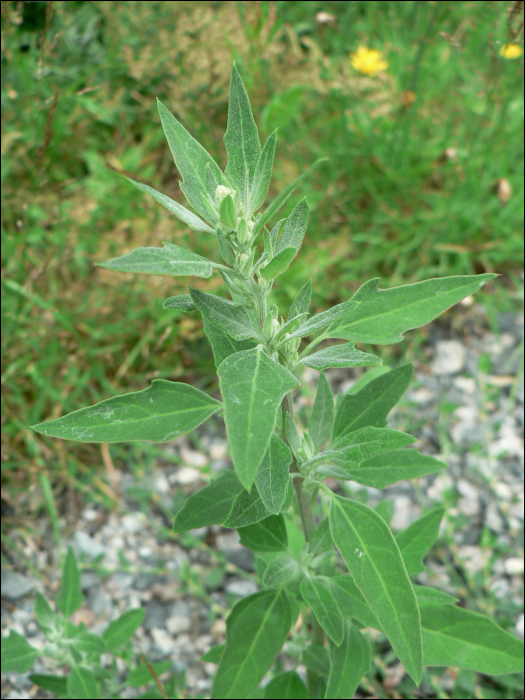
(262, 175)
(340, 356)
(158, 413)
(225, 314)
(184, 302)
(222, 343)
(348, 664)
(273, 475)
(386, 469)
(281, 570)
(416, 540)
(354, 448)
(294, 228)
(170, 260)
(322, 418)
(329, 318)
(373, 558)
(301, 303)
(209, 506)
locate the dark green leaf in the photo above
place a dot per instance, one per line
(279, 263)
(286, 686)
(301, 303)
(348, 663)
(340, 356)
(273, 476)
(354, 448)
(268, 535)
(55, 684)
(322, 418)
(69, 596)
(262, 175)
(17, 654)
(415, 541)
(180, 301)
(211, 505)
(382, 470)
(226, 314)
(223, 344)
(247, 509)
(170, 260)
(294, 228)
(317, 593)
(213, 655)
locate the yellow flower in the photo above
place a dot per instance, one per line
(511, 51)
(368, 61)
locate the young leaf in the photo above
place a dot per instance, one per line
(262, 175)
(47, 619)
(281, 570)
(253, 386)
(158, 413)
(352, 449)
(415, 541)
(329, 318)
(224, 248)
(247, 509)
(316, 592)
(293, 436)
(268, 535)
(383, 315)
(256, 629)
(279, 263)
(382, 470)
(226, 314)
(121, 630)
(191, 160)
(349, 662)
(453, 636)
(213, 655)
(170, 260)
(180, 301)
(322, 418)
(316, 658)
(82, 684)
(17, 654)
(241, 138)
(70, 595)
(286, 686)
(373, 558)
(340, 356)
(223, 344)
(273, 475)
(301, 303)
(180, 212)
(294, 228)
(373, 403)
(227, 213)
(321, 538)
(211, 505)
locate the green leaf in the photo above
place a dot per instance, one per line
(317, 593)
(191, 160)
(170, 260)
(17, 654)
(247, 509)
(329, 318)
(256, 629)
(48, 620)
(223, 344)
(253, 386)
(213, 655)
(349, 662)
(69, 596)
(141, 674)
(209, 506)
(453, 636)
(352, 449)
(279, 263)
(82, 684)
(268, 535)
(321, 538)
(55, 684)
(282, 197)
(241, 138)
(385, 314)
(322, 418)
(373, 558)
(294, 228)
(287, 686)
(432, 596)
(273, 476)
(227, 213)
(262, 175)
(340, 356)
(226, 314)
(89, 646)
(281, 570)
(121, 630)
(386, 469)
(158, 413)
(351, 603)
(301, 303)
(316, 658)
(184, 302)
(293, 436)
(180, 212)
(416, 540)
(224, 248)
(372, 404)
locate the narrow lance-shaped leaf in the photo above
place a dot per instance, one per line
(180, 212)
(170, 260)
(158, 413)
(273, 475)
(209, 506)
(226, 314)
(301, 303)
(326, 319)
(253, 386)
(221, 343)
(316, 592)
(294, 228)
(184, 302)
(70, 595)
(279, 263)
(262, 175)
(256, 629)
(416, 540)
(349, 662)
(373, 558)
(386, 469)
(268, 535)
(340, 356)
(322, 418)
(383, 315)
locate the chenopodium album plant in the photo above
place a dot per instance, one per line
(259, 361)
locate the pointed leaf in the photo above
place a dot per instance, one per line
(82, 684)
(227, 213)
(301, 303)
(383, 315)
(316, 658)
(191, 160)
(183, 302)
(432, 596)
(351, 603)
(382, 470)
(48, 620)
(322, 418)
(268, 535)
(180, 212)
(55, 684)
(273, 475)
(253, 386)
(256, 629)
(262, 175)
(223, 344)
(354, 448)
(340, 356)
(373, 403)
(317, 593)
(158, 413)
(453, 636)
(294, 228)
(329, 318)
(279, 263)
(70, 595)
(293, 436)
(121, 630)
(213, 655)
(281, 570)
(17, 654)
(224, 248)
(416, 540)
(211, 505)
(170, 260)
(286, 686)
(241, 138)
(247, 509)
(349, 662)
(373, 558)
(226, 314)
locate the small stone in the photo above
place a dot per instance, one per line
(242, 587)
(466, 489)
(500, 587)
(405, 512)
(187, 475)
(493, 519)
(503, 490)
(441, 483)
(466, 384)
(218, 629)
(176, 624)
(134, 523)
(450, 357)
(514, 566)
(87, 545)
(218, 450)
(422, 396)
(15, 585)
(194, 458)
(472, 557)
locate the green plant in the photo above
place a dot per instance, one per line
(259, 357)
